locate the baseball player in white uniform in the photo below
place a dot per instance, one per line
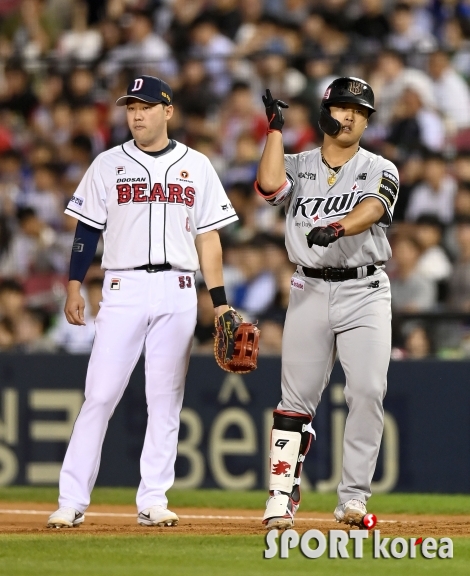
(338, 201)
(158, 205)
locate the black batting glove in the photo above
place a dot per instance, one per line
(274, 112)
(325, 235)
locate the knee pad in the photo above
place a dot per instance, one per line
(290, 441)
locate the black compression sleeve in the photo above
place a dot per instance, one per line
(83, 250)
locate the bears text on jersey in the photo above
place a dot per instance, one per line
(137, 193)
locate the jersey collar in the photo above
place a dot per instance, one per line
(134, 151)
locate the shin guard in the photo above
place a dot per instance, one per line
(290, 441)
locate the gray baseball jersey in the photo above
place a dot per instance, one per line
(351, 318)
(310, 201)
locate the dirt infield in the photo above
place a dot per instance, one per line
(21, 518)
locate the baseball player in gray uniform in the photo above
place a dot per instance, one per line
(338, 201)
(159, 205)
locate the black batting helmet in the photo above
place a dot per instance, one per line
(344, 90)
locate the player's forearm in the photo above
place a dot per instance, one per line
(83, 251)
(209, 251)
(271, 173)
(362, 217)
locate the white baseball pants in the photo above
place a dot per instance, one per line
(158, 311)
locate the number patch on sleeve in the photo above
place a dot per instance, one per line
(388, 187)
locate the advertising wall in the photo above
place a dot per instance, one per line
(226, 421)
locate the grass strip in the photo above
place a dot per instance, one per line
(186, 555)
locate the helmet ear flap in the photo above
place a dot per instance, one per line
(327, 123)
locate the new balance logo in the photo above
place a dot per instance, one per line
(281, 443)
(374, 284)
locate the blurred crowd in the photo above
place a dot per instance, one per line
(63, 63)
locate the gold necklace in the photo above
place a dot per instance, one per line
(332, 174)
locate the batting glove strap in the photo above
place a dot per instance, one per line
(338, 228)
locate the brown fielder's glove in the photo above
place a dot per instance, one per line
(236, 343)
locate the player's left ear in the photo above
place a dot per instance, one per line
(169, 112)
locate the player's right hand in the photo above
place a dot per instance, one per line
(325, 235)
(74, 308)
(273, 111)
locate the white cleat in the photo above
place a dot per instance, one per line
(157, 516)
(279, 523)
(352, 512)
(280, 510)
(65, 517)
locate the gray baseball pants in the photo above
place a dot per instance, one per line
(351, 319)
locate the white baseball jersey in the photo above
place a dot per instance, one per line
(310, 201)
(151, 208)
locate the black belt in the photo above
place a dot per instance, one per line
(154, 267)
(336, 274)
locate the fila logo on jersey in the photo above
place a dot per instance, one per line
(334, 205)
(115, 283)
(120, 170)
(138, 194)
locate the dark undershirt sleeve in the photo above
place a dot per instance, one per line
(83, 250)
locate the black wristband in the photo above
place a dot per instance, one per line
(218, 296)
